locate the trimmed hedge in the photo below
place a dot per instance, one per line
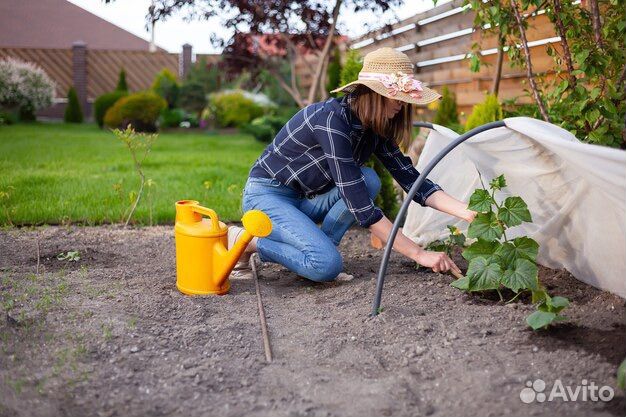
(140, 110)
(104, 103)
(234, 109)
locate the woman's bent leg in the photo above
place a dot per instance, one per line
(330, 209)
(295, 242)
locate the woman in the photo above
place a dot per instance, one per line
(312, 172)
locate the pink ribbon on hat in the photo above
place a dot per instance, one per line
(396, 82)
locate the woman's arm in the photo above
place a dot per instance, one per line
(438, 261)
(441, 201)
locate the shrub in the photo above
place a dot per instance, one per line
(352, 67)
(172, 117)
(166, 85)
(73, 110)
(140, 110)
(104, 103)
(201, 80)
(7, 118)
(233, 108)
(265, 128)
(121, 82)
(489, 110)
(446, 112)
(24, 86)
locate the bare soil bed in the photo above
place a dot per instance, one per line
(109, 335)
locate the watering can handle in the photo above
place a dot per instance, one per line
(215, 221)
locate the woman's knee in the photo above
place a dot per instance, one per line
(371, 180)
(325, 266)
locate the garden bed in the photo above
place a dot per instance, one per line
(109, 335)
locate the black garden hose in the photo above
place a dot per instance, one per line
(405, 205)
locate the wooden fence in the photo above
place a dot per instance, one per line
(438, 40)
(103, 67)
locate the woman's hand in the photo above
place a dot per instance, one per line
(438, 261)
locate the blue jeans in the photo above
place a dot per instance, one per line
(296, 241)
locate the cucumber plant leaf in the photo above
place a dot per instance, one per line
(541, 319)
(480, 248)
(461, 284)
(498, 183)
(485, 226)
(522, 275)
(484, 274)
(526, 247)
(514, 211)
(480, 201)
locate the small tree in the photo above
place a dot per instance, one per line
(73, 111)
(121, 82)
(166, 85)
(447, 112)
(488, 111)
(351, 68)
(139, 145)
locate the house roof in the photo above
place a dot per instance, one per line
(58, 24)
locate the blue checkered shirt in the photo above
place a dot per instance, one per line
(324, 145)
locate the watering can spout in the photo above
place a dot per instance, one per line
(255, 224)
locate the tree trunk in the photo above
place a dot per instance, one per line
(324, 54)
(567, 55)
(498, 75)
(529, 66)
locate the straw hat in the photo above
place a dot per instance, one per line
(390, 73)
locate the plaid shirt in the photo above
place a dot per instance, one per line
(324, 145)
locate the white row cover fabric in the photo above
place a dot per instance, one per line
(576, 194)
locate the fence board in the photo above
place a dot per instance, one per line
(469, 86)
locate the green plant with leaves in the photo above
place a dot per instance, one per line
(585, 89)
(333, 72)
(621, 375)
(488, 111)
(497, 262)
(455, 238)
(139, 145)
(352, 67)
(122, 85)
(166, 85)
(104, 103)
(140, 110)
(70, 256)
(73, 110)
(447, 114)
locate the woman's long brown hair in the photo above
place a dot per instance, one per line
(369, 107)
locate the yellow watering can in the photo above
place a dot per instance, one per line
(203, 262)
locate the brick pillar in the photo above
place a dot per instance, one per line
(185, 60)
(79, 73)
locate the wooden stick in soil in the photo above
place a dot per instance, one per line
(266, 337)
(38, 255)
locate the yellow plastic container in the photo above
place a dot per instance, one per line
(203, 262)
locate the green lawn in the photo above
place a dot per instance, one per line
(80, 174)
